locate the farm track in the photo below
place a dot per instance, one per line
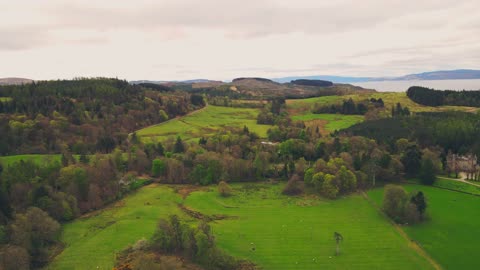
(412, 244)
(460, 180)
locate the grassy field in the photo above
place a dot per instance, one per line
(452, 234)
(93, 241)
(206, 122)
(304, 106)
(456, 185)
(300, 109)
(329, 122)
(297, 233)
(287, 233)
(38, 159)
(3, 99)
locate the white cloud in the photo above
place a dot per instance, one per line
(221, 39)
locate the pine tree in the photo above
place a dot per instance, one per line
(179, 147)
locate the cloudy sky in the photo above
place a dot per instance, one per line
(223, 39)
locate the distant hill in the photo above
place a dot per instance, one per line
(252, 79)
(335, 79)
(458, 74)
(320, 83)
(14, 81)
(175, 82)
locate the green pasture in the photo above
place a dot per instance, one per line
(206, 122)
(452, 233)
(304, 106)
(92, 242)
(3, 99)
(308, 102)
(279, 232)
(285, 232)
(38, 159)
(456, 185)
(334, 121)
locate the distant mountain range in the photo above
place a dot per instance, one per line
(458, 74)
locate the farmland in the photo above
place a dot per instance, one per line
(300, 109)
(38, 159)
(287, 233)
(302, 106)
(100, 235)
(451, 234)
(205, 122)
(329, 122)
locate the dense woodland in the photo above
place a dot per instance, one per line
(89, 122)
(320, 83)
(350, 107)
(82, 116)
(432, 97)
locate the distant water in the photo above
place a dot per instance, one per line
(402, 86)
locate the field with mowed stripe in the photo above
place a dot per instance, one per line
(204, 123)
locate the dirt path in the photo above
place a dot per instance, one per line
(412, 244)
(460, 180)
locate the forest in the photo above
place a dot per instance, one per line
(432, 97)
(82, 116)
(91, 123)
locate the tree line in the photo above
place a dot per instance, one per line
(350, 107)
(432, 97)
(82, 116)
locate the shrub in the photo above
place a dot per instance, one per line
(403, 208)
(294, 186)
(394, 201)
(224, 189)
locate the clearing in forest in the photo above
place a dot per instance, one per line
(204, 123)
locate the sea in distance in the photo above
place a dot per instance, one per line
(402, 86)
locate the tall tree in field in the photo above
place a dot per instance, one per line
(420, 202)
(338, 238)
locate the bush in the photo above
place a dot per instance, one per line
(14, 258)
(294, 186)
(394, 201)
(403, 208)
(224, 189)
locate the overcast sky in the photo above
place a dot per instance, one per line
(224, 39)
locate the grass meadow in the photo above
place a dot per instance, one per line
(297, 232)
(300, 109)
(92, 241)
(329, 122)
(452, 233)
(286, 232)
(206, 122)
(36, 158)
(304, 106)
